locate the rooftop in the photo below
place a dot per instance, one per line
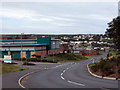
(7, 45)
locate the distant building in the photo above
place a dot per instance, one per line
(64, 48)
(26, 48)
(119, 8)
(89, 52)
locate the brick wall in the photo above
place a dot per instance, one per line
(53, 51)
(23, 54)
(32, 53)
(89, 52)
(42, 53)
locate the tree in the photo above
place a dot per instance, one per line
(113, 31)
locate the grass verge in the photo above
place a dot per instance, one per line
(109, 67)
(8, 68)
(65, 58)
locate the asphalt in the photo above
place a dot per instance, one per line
(71, 75)
(11, 80)
(0, 82)
(67, 75)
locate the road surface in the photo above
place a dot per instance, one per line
(70, 75)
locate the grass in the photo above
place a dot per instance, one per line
(0, 68)
(90, 55)
(62, 61)
(107, 67)
(113, 53)
(65, 58)
(8, 68)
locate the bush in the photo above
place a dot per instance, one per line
(19, 59)
(106, 66)
(37, 56)
(27, 63)
(71, 56)
(50, 59)
(10, 63)
(22, 69)
(94, 67)
(34, 59)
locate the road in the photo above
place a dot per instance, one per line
(70, 75)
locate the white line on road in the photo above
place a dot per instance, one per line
(46, 68)
(67, 68)
(62, 77)
(76, 83)
(61, 74)
(68, 80)
(64, 71)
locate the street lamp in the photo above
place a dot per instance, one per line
(93, 60)
(21, 48)
(53, 50)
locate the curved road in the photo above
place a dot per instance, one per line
(70, 75)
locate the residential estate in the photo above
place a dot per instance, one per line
(27, 46)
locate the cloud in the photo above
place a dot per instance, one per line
(94, 16)
(56, 17)
(100, 17)
(15, 13)
(29, 15)
(63, 24)
(42, 19)
(62, 19)
(59, 0)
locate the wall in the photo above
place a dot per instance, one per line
(18, 42)
(53, 51)
(45, 40)
(17, 48)
(55, 44)
(23, 48)
(89, 52)
(32, 53)
(23, 54)
(42, 53)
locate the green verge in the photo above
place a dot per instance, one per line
(107, 67)
(65, 58)
(8, 68)
(112, 52)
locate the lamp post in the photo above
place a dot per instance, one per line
(21, 48)
(53, 50)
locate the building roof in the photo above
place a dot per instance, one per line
(23, 40)
(19, 40)
(10, 45)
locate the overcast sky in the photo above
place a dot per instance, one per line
(57, 17)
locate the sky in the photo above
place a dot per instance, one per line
(57, 17)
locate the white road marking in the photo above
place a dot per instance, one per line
(61, 74)
(67, 68)
(76, 83)
(62, 77)
(46, 68)
(64, 71)
(19, 81)
(58, 66)
(68, 80)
